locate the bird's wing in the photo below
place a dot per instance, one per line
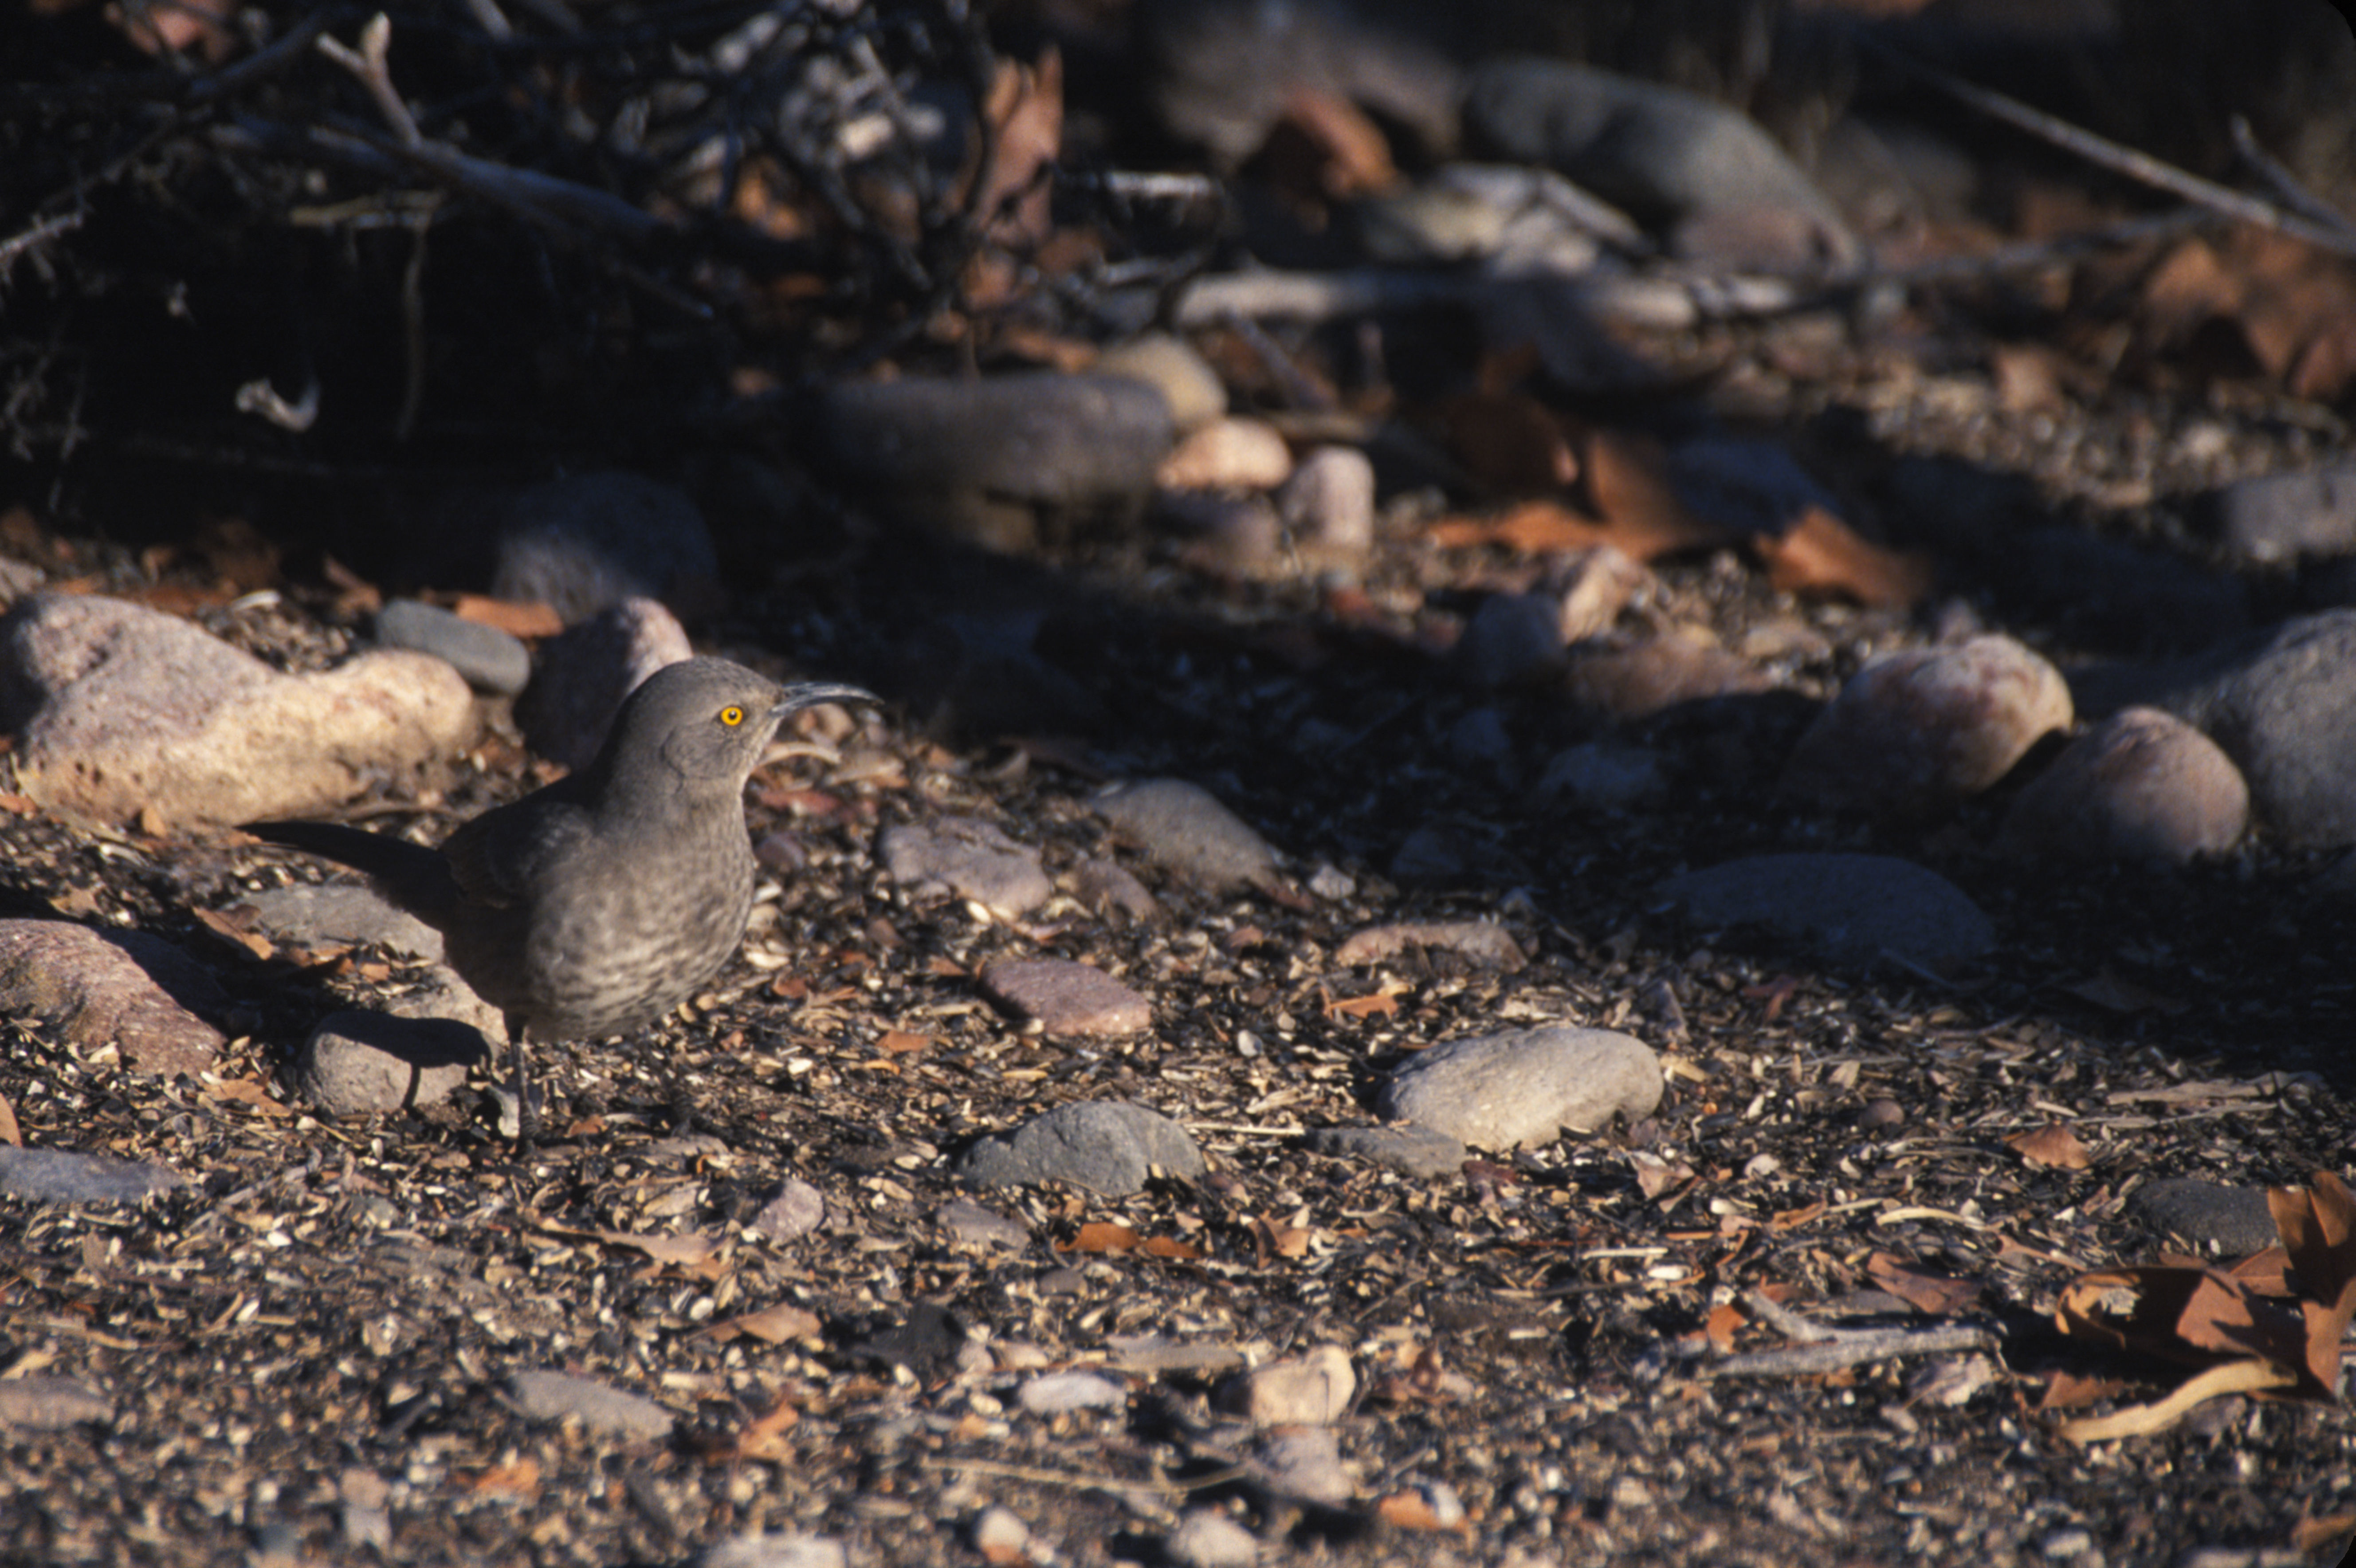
(495, 858)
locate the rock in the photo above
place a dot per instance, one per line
(1066, 998)
(1309, 1390)
(798, 1209)
(1205, 1538)
(2142, 785)
(1512, 640)
(1151, 1355)
(130, 715)
(1482, 943)
(18, 579)
(124, 990)
(2283, 706)
(1227, 453)
(1191, 390)
(1525, 1086)
(2275, 518)
(585, 542)
(360, 1063)
(587, 670)
(1641, 677)
(1669, 158)
(54, 1175)
(50, 1404)
(601, 1408)
(1304, 1461)
(1601, 775)
(1479, 743)
(1921, 727)
(965, 857)
(987, 460)
(1854, 908)
(1104, 886)
(1328, 505)
(2233, 1220)
(1417, 1151)
(781, 1550)
(488, 659)
(1107, 1146)
(1000, 1535)
(1219, 73)
(1593, 586)
(340, 914)
(363, 1514)
(1184, 828)
(971, 1225)
(1234, 536)
(1057, 1392)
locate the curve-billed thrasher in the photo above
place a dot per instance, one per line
(598, 904)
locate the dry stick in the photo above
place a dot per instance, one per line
(370, 65)
(2119, 159)
(2287, 188)
(1828, 1349)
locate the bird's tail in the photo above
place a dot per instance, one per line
(413, 876)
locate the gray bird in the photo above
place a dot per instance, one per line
(597, 905)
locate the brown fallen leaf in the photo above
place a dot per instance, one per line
(1533, 528)
(237, 924)
(771, 1325)
(2319, 1232)
(1323, 147)
(1628, 484)
(1412, 1510)
(1380, 1003)
(1025, 114)
(1721, 1325)
(1658, 1177)
(1508, 443)
(693, 1251)
(520, 1479)
(1103, 1236)
(2051, 1145)
(1937, 1295)
(513, 616)
(245, 1091)
(9, 1131)
(1482, 943)
(764, 1438)
(1820, 557)
(2066, 1389)
(2181, 1314)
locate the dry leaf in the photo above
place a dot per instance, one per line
(896, 1043)
(1820, 557)
(1409, 1510)
(245, 1091)
(237, 924)
(9, 1131)
(1380, 1003)
(1509, 443)
(773, 1325)
(1103, 1236)
(2053, 1145)
(765, 1439)
(520, 1479)
(1657, 1177)
(1534, 528)
(693, 1251)
(514, 619)
(1025, 111)
(1793, 1219)
(1937, 1294)
(1323, 148)
(1283, 1241)
(2318, 1232)
(2065, 1389)
(1719, 1326)
(1628, 483)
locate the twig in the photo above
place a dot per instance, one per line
(31, 239)
(1849, 1348)
(370, 65)
(2285, 184)
(1784, 1321)
(2119, 159)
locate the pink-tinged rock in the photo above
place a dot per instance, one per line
(587, 670)
(1309, 1390)
(1482, 943)
(1227, 453)
(1638, 679)
(128, 714)
(99, 992)
(1067, 998)
(2142, 785)
(1922, 727)
(1329, 505)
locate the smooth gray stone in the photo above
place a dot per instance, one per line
(600, 1407)
(1187, 828)
(2235, 1219)
(358, 1063)
(54, 1175)
(1854, 908)
(50, 1403)
(1107, 1146)
(312, 914)
(1523, 1087)
(490, 660)
(2274, 519)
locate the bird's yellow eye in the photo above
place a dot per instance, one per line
(732, 715)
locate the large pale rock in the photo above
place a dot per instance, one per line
(1924, 727)
(126, 991)
(2142, 785)
(128, 714)
(1188, 830)
(1524, 1087)
(1309, 1390)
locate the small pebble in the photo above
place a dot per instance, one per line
(490, 660)
(1309, 1390)
(1057, 1392)
(599, 1407)
(1205, 1538)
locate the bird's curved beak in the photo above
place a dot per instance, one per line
(812, 693)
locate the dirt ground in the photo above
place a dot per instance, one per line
(325, 1322)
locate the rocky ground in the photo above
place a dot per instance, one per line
(1560, 960)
